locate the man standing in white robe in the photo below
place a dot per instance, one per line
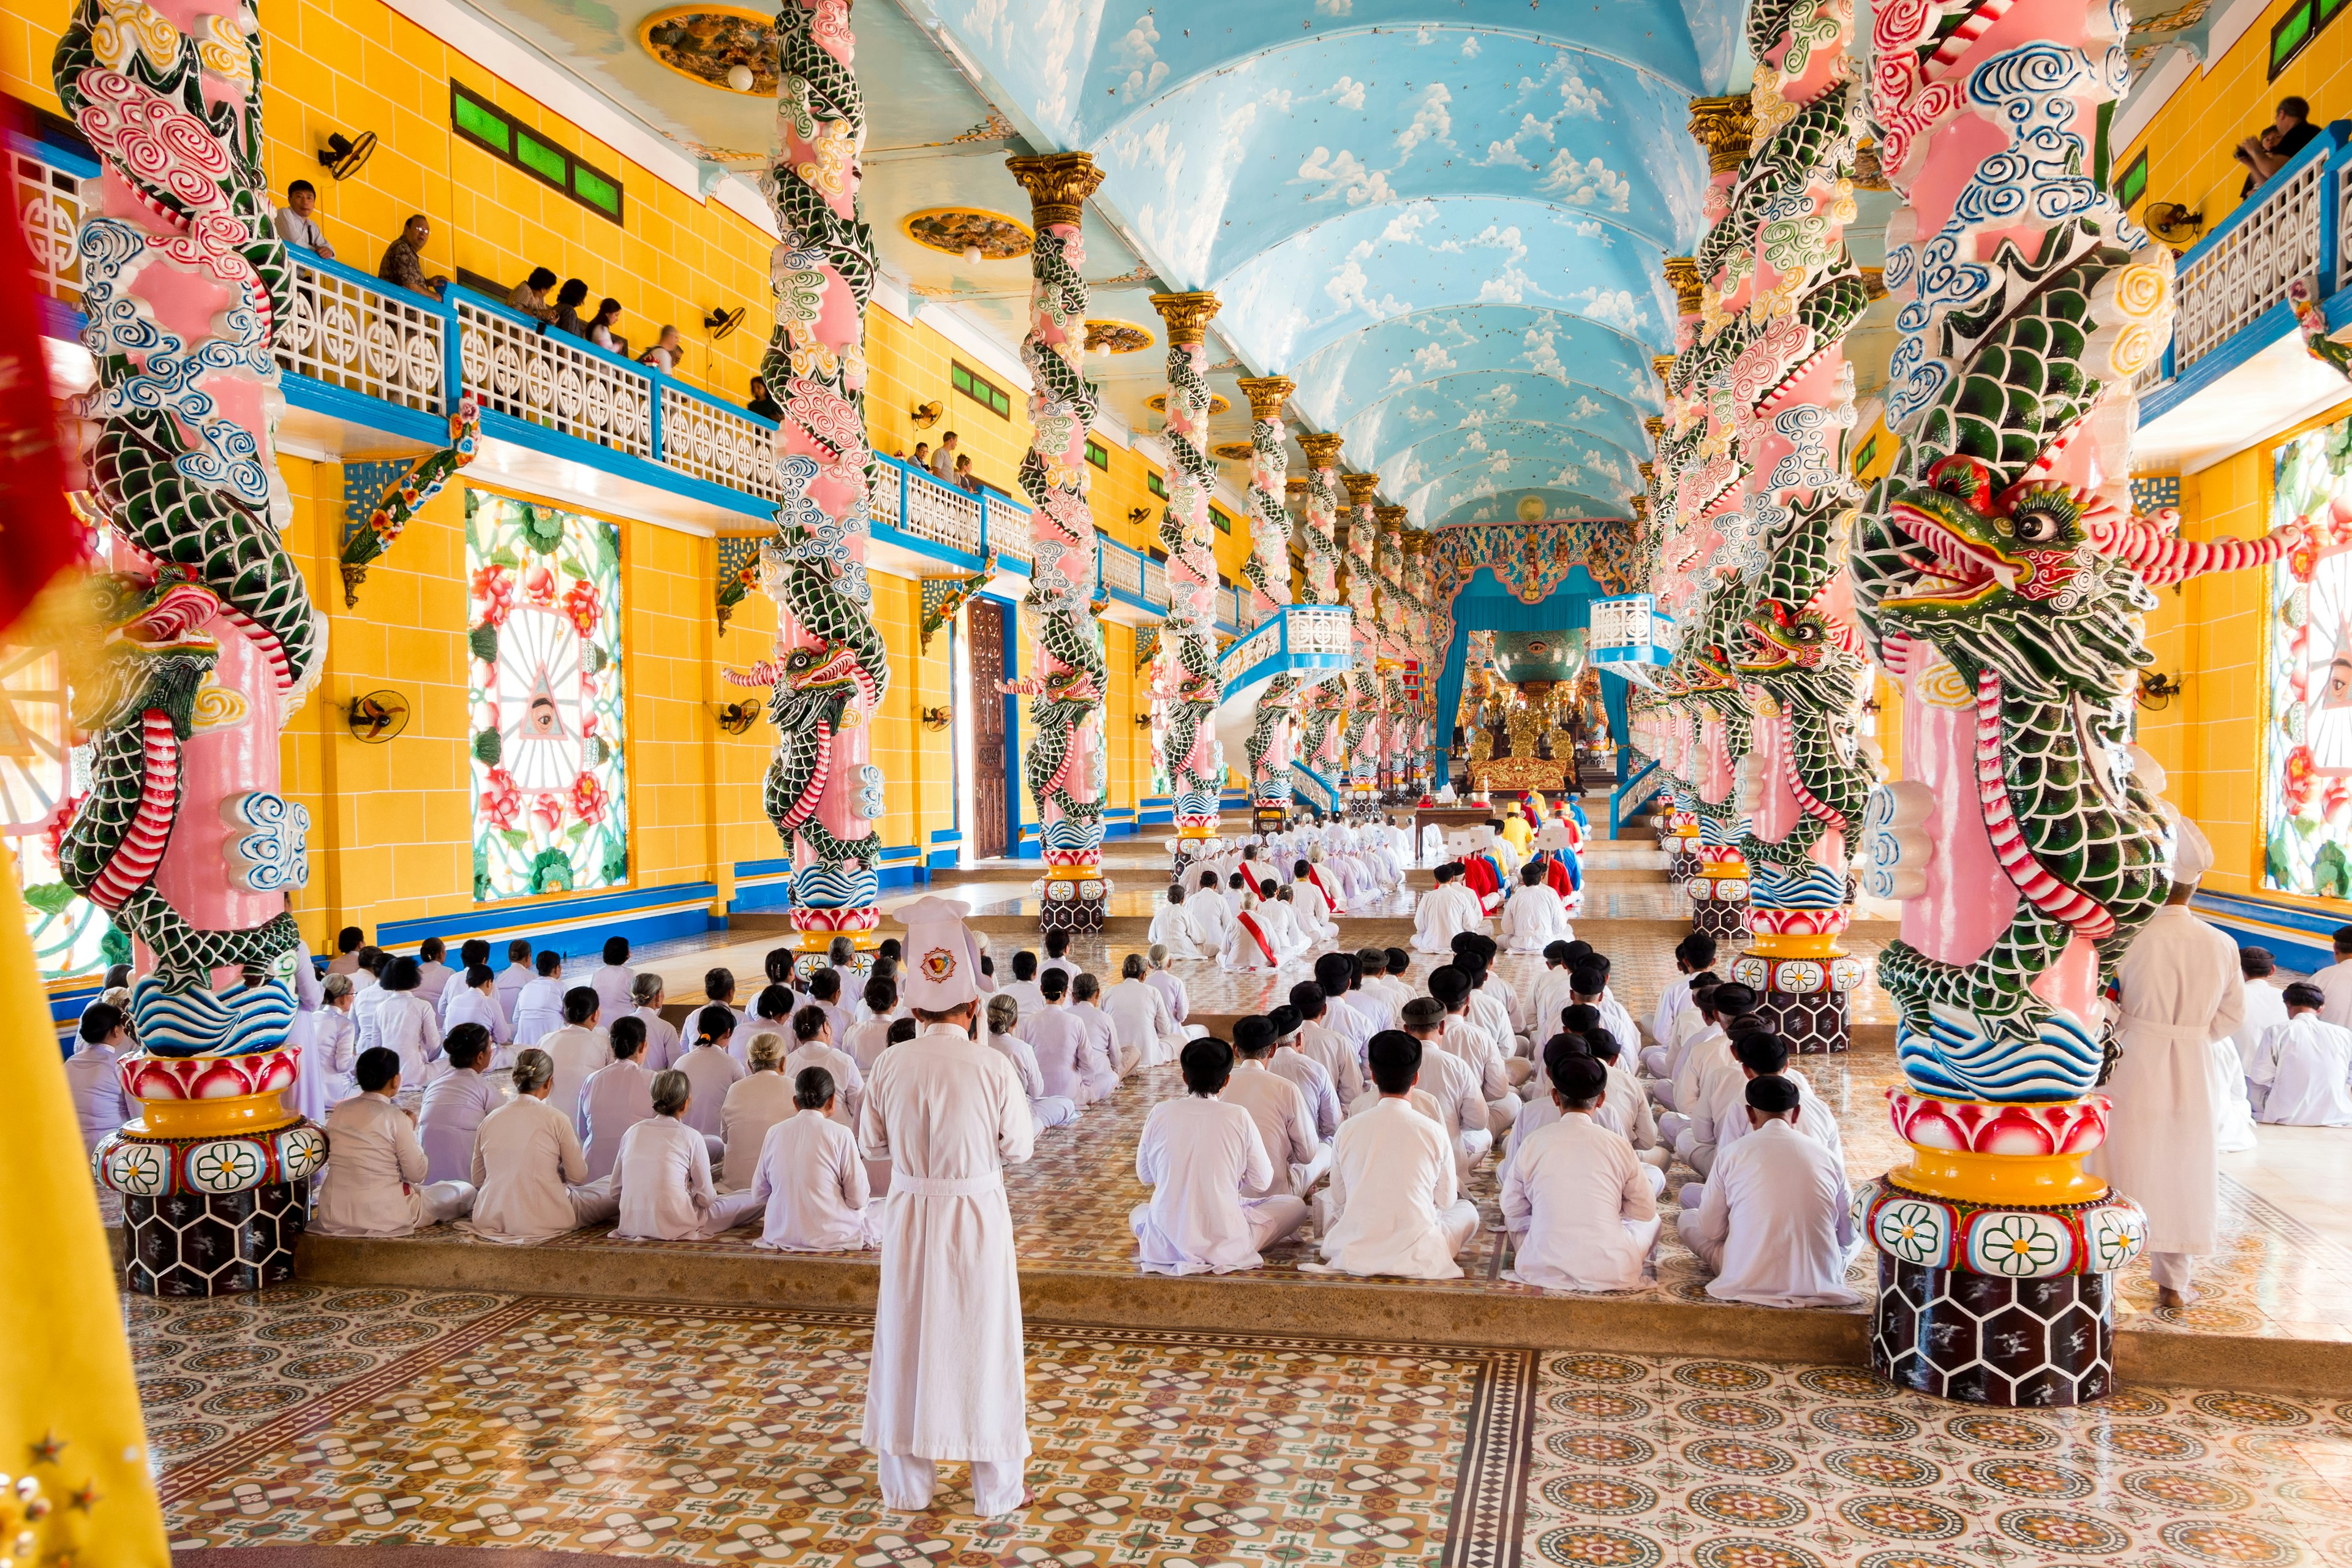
(1535, 918)
(947, 1379)
(2181, 990)
(1445, 911)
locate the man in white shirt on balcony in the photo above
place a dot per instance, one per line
(297, 222)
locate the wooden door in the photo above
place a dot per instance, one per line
(986, 705)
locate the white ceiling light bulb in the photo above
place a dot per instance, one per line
(972, 255)
(739, 77)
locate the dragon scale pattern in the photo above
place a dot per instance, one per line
(1268, 573)
(1185, 683)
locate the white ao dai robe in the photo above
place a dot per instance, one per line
(531, 1175)
(946, 1381)
(1535, 919)
(1583, 1208)
(1775, 1227)
(1443, 914)
(753, 1106)
(2299, 1071)
(614, 1100)
(375, 1183)
(661, 1185)
(455, 1105)
(814, 1186)
(1199, 1155)
(1393, 1204)
(2181, 988)
(1139, 1022)
(1171, 925)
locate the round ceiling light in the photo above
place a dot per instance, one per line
(973, 235)
(724, 46)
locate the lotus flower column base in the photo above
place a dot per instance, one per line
(214, 1174)
(1795, 964)
(1998, 1252)
(1718, 893)
(1681, 844)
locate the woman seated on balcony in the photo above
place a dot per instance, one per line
(530, 296)
(600, 328)
(761, 403)
(964, 478)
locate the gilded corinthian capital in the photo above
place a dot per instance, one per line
(1725, 127)
(1266, 394)
(1322, 451)
(1187, 316)
(1058, 185)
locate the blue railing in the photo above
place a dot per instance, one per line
(1618, 797)
(2230, 288)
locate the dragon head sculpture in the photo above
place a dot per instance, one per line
(814, 683)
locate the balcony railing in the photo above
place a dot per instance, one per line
(344, 330)
(2296, 225)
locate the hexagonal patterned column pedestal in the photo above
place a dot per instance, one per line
(214, 1243)
(1985, 1340)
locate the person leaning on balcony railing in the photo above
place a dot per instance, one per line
(530, 296)
(294, 222)
(403, 259)
(761, 403)
(2266, 153)
(568, 301)
(965, 479)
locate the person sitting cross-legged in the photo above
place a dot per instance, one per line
(616, 1096)
(2297, 1075)
(455, 1104)
(754, 1102)
(1285, 1122)
(809, 1177)
(1394, 1204)
(1583, 1211)
(578, 1049)
(814, 1046)
(1074, 1065)
(1775, 1226)
(1172, 928)
(375, 1183)
(1004, 1035)
(531, 1175)
(711, 1064)
(1199, 1155)
(661, 1186)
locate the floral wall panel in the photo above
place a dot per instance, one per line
(2307, 740)
(544, 629)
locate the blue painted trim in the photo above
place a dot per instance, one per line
(2290, 914)
(51, 147)
(941, 860)
(947, 836)
(622, 464)
(1618, 795)
(1155, 818)
(946, 554)
(357, 409)
(2241, 346)
(781, 865)
(524, 915)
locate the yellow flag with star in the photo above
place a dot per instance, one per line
(69, 1421)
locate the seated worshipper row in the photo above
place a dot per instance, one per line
(2299, 1073)
(529, 1178)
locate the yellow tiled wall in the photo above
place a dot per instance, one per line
(2190, 140)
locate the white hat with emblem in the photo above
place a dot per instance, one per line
(942, 968)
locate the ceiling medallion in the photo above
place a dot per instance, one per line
(1234, 451)
(958, 231)
(1531, 509)
(723, 46)
(1218, 404)
(1115, 337)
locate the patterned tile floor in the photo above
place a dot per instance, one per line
(314, 1415)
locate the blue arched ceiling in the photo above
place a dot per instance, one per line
(1444, 221)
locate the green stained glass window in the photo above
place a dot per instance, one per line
(482, 122)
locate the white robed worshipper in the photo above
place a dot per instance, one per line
(473, 998)
(946, 1379)
(1775, 1226)
(1694, 955)
(1172, 990)
(2300, 1074)
(1138, 1016)
(538, 1008)
(432, 975)
(710, 1067)
(2181, 990)
(407, 1023)
(1433, 845)
(813, 1047)
(811, 1181)
(1173, 926)
(1311, 1079)
(1581, 1207)
(1326, 1045)
(1024, 988)
(324, 1074)
(613, 981)
(1004, 1035)
(661, 1185)
(616, 1097)
(1072, 1060)
(1206, 911)
(516, 974)
(756, 1102)
(2263, 1005)
(94, 1073)
(1535, 918)
(1445, 911)
(1210, 1175)
(1310, 904)
(1085, 1005)
(2336, 981)
(1296, 1154)
(531, 1175)
(1251, 944)
(1280, 916)
(1394, 1205)
(578, 1048)
(662, 1046)
(375, 1183)
(455, 1104)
